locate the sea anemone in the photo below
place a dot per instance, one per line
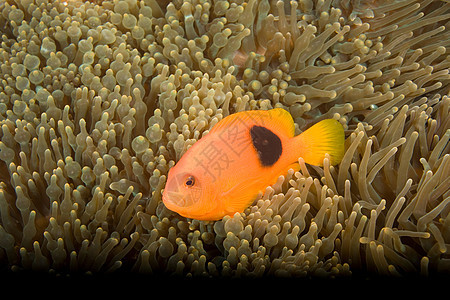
(99, 99)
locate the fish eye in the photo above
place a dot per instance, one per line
(190, 181)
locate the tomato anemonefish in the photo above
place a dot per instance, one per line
(245, 152)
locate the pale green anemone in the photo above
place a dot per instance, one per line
(99, 99)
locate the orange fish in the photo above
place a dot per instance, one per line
(224, 171)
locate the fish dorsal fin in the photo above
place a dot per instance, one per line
(277, 120)
(284, 121)
(230, 120)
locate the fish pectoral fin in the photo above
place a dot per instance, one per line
(240, 196)
(239, 203)
(294, 166)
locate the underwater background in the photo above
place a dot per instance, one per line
(99, 99)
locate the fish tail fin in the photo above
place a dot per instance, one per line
(327, 136)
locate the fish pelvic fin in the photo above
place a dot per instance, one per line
(327, 136)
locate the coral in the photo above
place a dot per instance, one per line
(98, 100)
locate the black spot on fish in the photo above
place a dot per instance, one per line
(267, 144)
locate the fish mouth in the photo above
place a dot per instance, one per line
(178, 199)
(186, 207)
(175, 200)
